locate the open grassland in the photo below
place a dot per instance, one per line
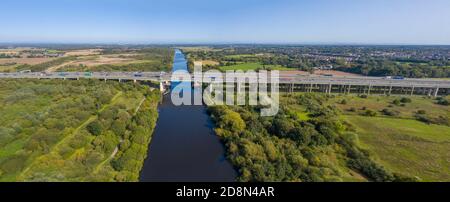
(406, 146)
(418, 105)
(31, 61)
(52, 130)
(400, 133)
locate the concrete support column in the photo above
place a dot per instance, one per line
(161, 87)
(329, 88)
(239, 87)
(390, 90)
(436, 92)
(412, 91)
(370, 88)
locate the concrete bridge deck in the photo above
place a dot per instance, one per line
(292, 80)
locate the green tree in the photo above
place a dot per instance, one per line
(95, 128)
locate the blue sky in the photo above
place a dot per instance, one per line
(226, 21)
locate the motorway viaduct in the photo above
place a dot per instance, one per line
(287, 82)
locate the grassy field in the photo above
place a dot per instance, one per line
(399, 141)
(406, 146)
(253, 66)
(355, 105)
(85, 130)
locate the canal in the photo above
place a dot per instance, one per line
(184, 146)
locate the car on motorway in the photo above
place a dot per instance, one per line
(394, 77)
(138, 74)
(87, 74)
(398, 77)
(63, 74)
(25, 71)
(327, 75)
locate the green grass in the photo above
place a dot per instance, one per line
(406, 146)
(253, 66)
(240, 56)
(401, 143)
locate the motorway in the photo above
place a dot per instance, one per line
(285, 78)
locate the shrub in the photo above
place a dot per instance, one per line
(396, 102)
(443, 101)
(370, 113)
(95, 128)
(405, 100)
(423, 118)
(363, 96)
(390, 112)
(343, 102)
(421, 111)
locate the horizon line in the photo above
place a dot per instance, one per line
(222, 43)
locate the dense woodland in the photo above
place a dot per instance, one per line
(87, 130)
(287, 148)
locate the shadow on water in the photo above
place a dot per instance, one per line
(184, 146)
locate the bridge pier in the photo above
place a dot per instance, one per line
(436, 91)
(239, 87)
(329, 89)
(161, 87)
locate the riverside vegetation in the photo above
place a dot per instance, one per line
(316, 137)
(87, 130)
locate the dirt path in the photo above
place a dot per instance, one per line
(54, 68)
(100, 165)
(139, 106)
(54, 148)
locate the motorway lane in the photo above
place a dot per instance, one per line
(284, 78)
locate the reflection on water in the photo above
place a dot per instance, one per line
(184, 146)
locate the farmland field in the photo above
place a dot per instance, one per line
(152, 59)
(253, 66)
(148, 59)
